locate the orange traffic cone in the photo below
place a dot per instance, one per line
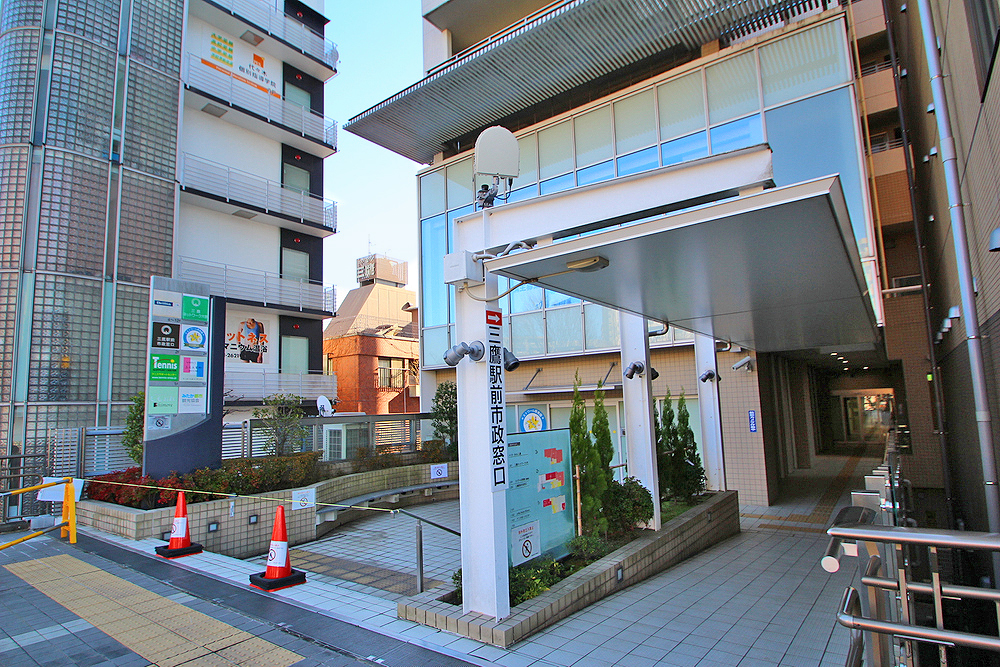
(180, 534)
(279, 573)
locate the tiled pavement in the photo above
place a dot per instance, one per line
(759, 598)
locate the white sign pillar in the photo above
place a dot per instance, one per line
(710, 412)
(482, 441)
(638, 397)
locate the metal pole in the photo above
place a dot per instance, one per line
(420, 557)
(970, 315)
(579, 508)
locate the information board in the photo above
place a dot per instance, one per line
(540, 495)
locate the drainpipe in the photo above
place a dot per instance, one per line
(970, 316)
(922, 263)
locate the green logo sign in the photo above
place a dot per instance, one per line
(194, 308)
(164, 367)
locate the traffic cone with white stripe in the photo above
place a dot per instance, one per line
(180, 534)
(279, 573)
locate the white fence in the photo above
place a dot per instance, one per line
(254, 385)
(238, 282)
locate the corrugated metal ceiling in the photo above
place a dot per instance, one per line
(574, 43)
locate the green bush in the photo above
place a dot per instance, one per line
(526, 580)
(236, 476)
(135, 424)
(444, 416)
(590, 547)
(628, 505)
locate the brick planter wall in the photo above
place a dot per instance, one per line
(239, 538)
(682, 537)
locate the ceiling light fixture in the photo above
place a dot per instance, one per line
(588, 264)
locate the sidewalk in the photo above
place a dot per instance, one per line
(759, 598)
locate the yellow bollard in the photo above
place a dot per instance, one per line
(69, 512)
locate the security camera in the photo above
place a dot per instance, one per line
(475, 351)
(510, 362)
(633, 368)
(745, 362)
(707, 375)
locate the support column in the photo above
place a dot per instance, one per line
(638, 397)
(482, 438)
(710, 412)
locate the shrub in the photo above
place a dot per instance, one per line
(135, 424)
(281, 415)
(444, 416)
(629, 504)
(590, 547)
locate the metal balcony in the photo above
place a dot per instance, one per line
(271, 30)
(214, 91)
(254, 384)
(222, 188)
(270, 289)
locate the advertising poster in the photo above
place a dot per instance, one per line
(166, 335)
(193, 369)
(540, 517)
(237, 59)
(248, 340)
(164, 367)
(161, 401)
(192, 400)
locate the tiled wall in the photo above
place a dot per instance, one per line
(746, 469)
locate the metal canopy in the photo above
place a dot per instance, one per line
(574, 42)
(774, 271)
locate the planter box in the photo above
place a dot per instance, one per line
(682, 537)
(239, 538)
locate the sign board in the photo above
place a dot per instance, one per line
(55, 494)
(439, 471)
(752, 420)
(497, 400)
(540, 497)
(303, 499)
(532, 419)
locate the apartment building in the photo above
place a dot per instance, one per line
(168, 138)
(601, 97)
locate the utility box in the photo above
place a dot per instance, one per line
(460, 269)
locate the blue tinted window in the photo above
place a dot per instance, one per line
(816, 137)
(434, 246)
(557, 299)
(525, 298)
(638, 161)
(557, 184)
(596, 173)
(738, 134)
(524, 193)
(691, 147)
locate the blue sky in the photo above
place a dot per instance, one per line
(380, 54)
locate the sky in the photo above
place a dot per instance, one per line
(376, 193)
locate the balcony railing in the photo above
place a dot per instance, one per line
(304, 121)
(391, 379)
(270, 196)
(274, 20)
(238, 282)
(254, 385)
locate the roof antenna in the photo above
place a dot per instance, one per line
(497, 155)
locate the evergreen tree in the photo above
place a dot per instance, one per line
(602, 441)
(690, 473)
(135, 423)
(592, 481)
(664, 452)
(444, 416)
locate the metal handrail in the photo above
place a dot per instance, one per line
(952, 539)
(267, 287)
(68, 524)
(244, 188)
(215, 80)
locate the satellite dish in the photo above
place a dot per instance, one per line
(324, 406)
(497, 153)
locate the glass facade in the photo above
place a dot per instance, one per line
(794, 93)
(65, 272)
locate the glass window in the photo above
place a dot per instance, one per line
(527, 161)
(563, 330)
(557, 184)
(432, 193)
(816, 137)
(732, 88)
(601, 325)
(433, 249)
(682, 105)
(294, 264)
(555, 150)
(526, 298)
(803, 63)
(435, 342)
(297, 95)
(460, 184)
(681, 334)
(686, 148)
(635, 123)
(639, 161)
(553, 299)
(737, 134)
(593, 137)
(295, 177)
(527, 335)
(294, 354)
(596, 173)
(521, 194)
